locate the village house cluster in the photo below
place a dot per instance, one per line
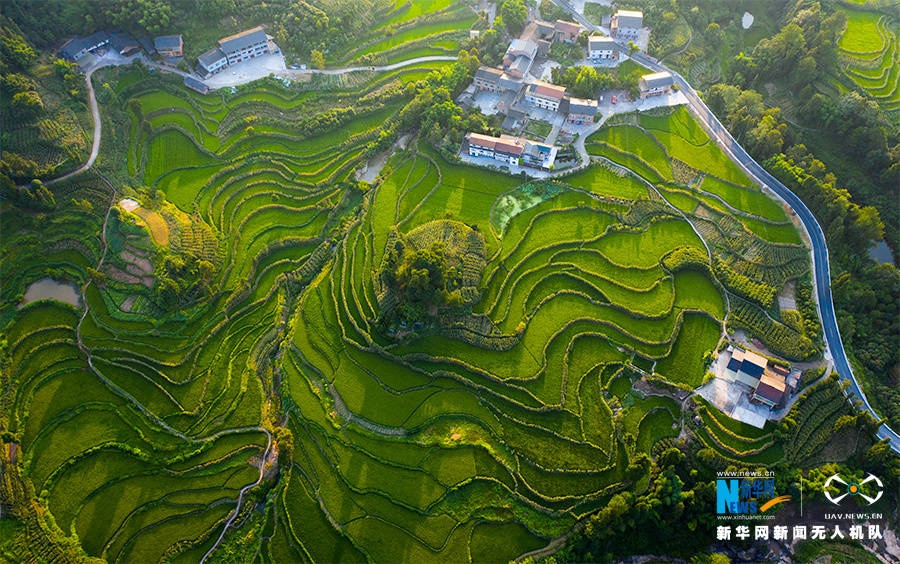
(520, 91)
(236, 48)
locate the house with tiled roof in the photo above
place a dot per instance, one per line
(745, 367)
(655, 84)
(487, 78)
(196, 85)
(519, 57)
(74, 49)
(213, 60)
(601, 47)
(169, 45)
(510, 150)
(567, 32)
(544, 95)
(245, 45)
(506, 148)
(770, 390)
(581, 111)
(124, 44)
(626, 25)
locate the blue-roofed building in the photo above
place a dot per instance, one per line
(73, 49)
(745, 367)
(77, 48)
(124, 44)
(147, 45)
(213, 60)
(195, 84)
(169, 45)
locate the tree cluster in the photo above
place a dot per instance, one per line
(802, 50)
(421, 279)
(586, 82)
(677, 512)
(432, 108)
(514, 13)
(35, 196)
(182, 278)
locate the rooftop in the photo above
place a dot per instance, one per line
(567, 27)
(523, 47)
(547, 90)
(629, 18)
(195, 84)
(505, 143)
(749, 356)
(167, 42)
(582, 106)
(243, 39)
(211, 57)
(772, 379)
(601, 41)
(488, 73)
(510, 145)
(123, 41)
(769, 394)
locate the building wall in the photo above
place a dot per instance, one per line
(580, 118)
(656, 91)
(504, 158)
(250, 52)
(485, 85)
(174, 52)
(217, 66)
(542, 102)
(477, 151)
(625, 32)
(601, 54)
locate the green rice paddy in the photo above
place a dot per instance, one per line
(473, 439)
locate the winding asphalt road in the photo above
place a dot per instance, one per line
(814, 231)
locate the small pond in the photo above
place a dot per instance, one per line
(50, 289)
(881, 253)
(747, 20)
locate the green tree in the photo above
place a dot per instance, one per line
(317, 59)
(514, 14)
(713, 35)
(29, 102)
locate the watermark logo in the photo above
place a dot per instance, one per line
(746, 495)
(852, 489)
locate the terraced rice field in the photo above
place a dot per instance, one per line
(409, 30)
(870, 61)
(474, 438)
(744, 229)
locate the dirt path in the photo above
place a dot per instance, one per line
(95, 146)
(394, 66)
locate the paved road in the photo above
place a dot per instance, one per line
(114, 60)
(395, 66)
(816, 236)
